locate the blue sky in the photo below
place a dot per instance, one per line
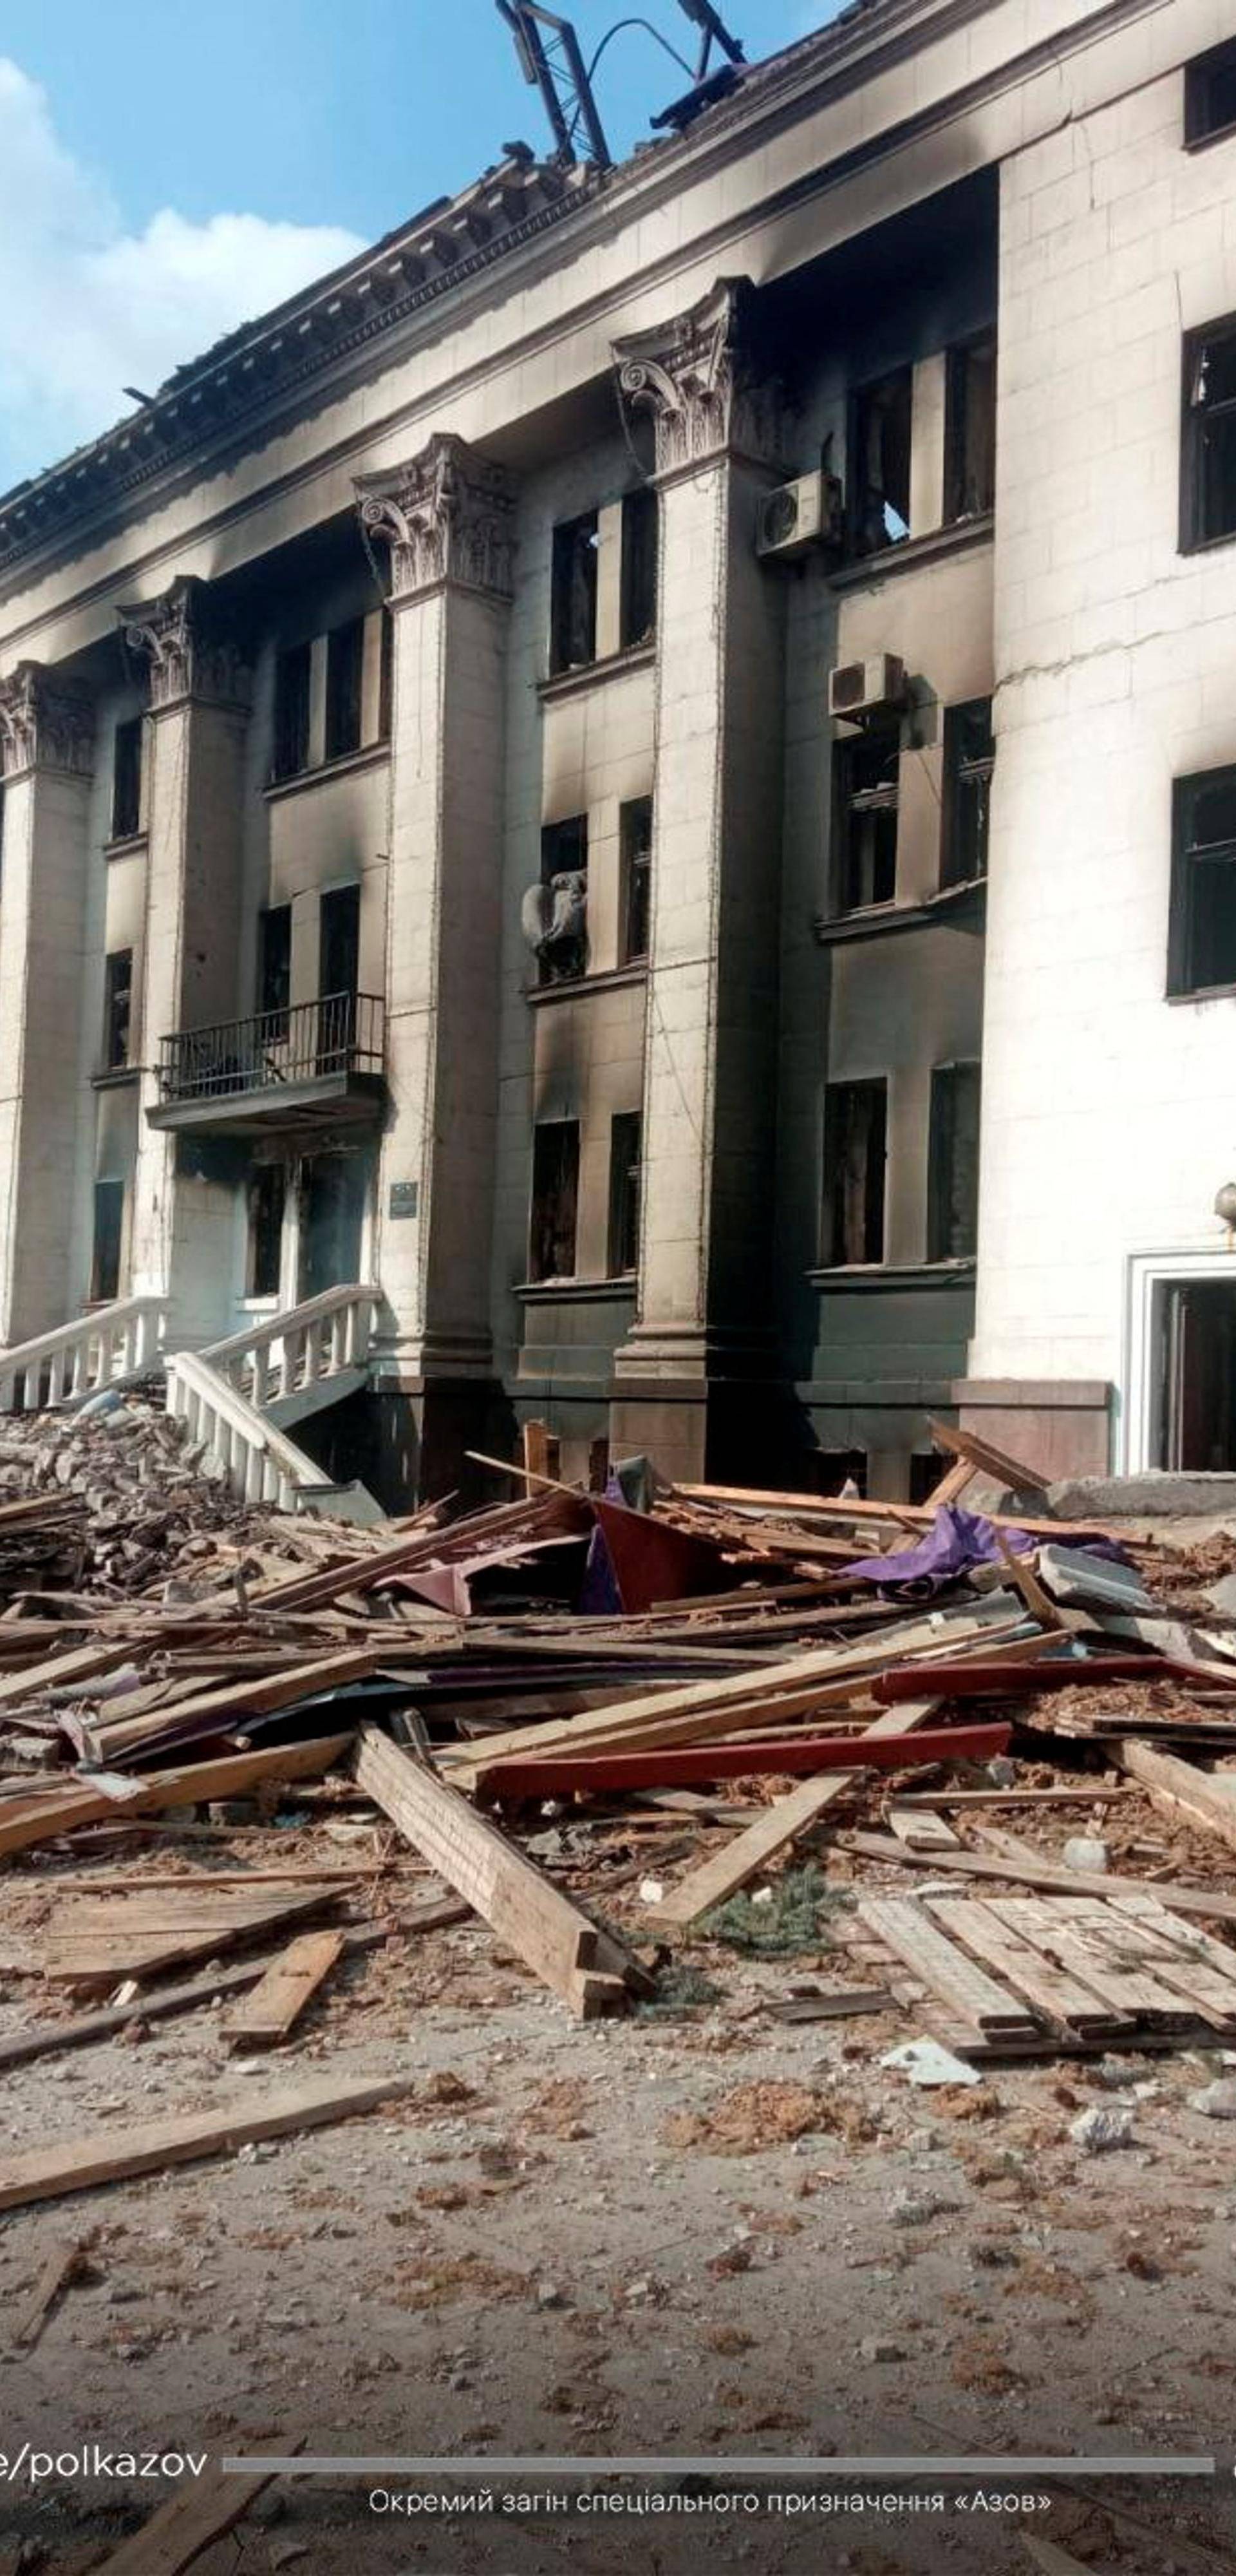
(167, 171)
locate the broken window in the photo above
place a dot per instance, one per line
(953, 1165)
(1210, 94)
(267, 1197)
(117, 1008)
(345, 659)
(866, 768)
(106, 1242)
(1202, 936)
(562, 949)
(555, 1197)
(573, 606)
(855, 1150)
(274, 977)
(969, 760)
(970, 430)
(290, 750)
(127, 779)
(880, 475)
(1208, 460)
(635, 835)
(624, 1178)
(640, 530)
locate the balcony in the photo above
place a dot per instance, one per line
(284, 1068)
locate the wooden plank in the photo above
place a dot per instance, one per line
(61, 2265)
(967, 1798)
(1127, 1989)
(1181, 1791)
(1216, 1903)
(270, 2010)
(202, 2511)
(56, 1811)
(46, 2039)
(655, 1765)
(919, 1826)
(82, 1950)
(1066, 2002)
(261, 1697)
(754, 1498)
(50, 2171)
(81, 1664)
(549, 1933)
(908, 1931)
(986, 1460)
(727, 1870)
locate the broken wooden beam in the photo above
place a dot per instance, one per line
(204, 2509)
(1180, 1791)
(668, 1768)
(1216, 1902)
(277, 2001)
(52, 2170)
(57, 1810)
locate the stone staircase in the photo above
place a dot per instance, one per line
(113, 1346)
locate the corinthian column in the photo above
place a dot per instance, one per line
(447, 518)
(698, 1357)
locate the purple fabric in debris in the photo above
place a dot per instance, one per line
(955, 1542)
(600, 1596)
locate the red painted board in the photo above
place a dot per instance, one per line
(654, 1562)
(671, 1767)
(973, 1679)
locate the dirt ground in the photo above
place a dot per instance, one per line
(704, 2234)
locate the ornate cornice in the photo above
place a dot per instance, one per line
(447, 515)
(189, 655)
(44, 723)
(696, 376)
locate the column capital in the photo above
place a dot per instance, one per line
(696, 376)
(189, 654)
(447, 516)
(45, 723)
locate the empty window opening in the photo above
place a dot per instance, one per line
(290, 750)
(880, 495)
(926, 1468)
(1210, 95)
(969, 761)
(1208, 457)
(635, 833)
(866, 771)
(573, 608)
(345, 658)
(267, 1200)
(117, 1008)
(127, 779)
(106, 1242)
(274, 976)
(855, 1152)
(1202, 936)
(386, 675)
(838, 1471)
(338, 976)
(562, 950)
(640, 528)
(624, 1180)
(1198, 1393)
(970, 431)
(953, 1163)
(555, 1199)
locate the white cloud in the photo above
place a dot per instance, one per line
(86, 307)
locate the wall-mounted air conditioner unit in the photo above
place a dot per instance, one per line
(810, 512)
(857, 691)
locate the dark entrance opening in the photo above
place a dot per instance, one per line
(332, 1215)
(1199, 1413)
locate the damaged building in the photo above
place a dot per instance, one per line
(624, 814)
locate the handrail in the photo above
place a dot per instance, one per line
(262, 1464)
(75, 1360)
(269, 1328)
(282, 1355)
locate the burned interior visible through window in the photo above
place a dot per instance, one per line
(640, 523)
(953, 1168)
(555, 1198)
(573, 607)
(1210, 94)
(267, 1198)
(117, 1008)
(624, 1178)
(562, 946)
(1208, 452)
(866, 774)
(970, 430)
(635, 831)
(1202, 936)
(880, 470)
(345, 657)
(290, 747)
(969, 761)
(274, 976)
(106, 1241)
(127, 779)
(855, 1152)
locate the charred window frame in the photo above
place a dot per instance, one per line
(1202, 929)
(1210, 96)
(970, 429)
(625, 1134)
(635, 847)
(267, 1201)
(345, 663)
(106, 1242)
(855, 1161)
(969, 765)
(573, 588)
(290, 746)
(641, 518)
(127, 779)
(555, 1199)
(274, 971)
(879, 450)
(1208, 439)
(866, 792)
(117, 1008)
(953, 1163)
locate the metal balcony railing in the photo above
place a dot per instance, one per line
(341, 1033)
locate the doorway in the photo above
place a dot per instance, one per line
(339, 975)
(333, 1192)
(1199, 1375)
